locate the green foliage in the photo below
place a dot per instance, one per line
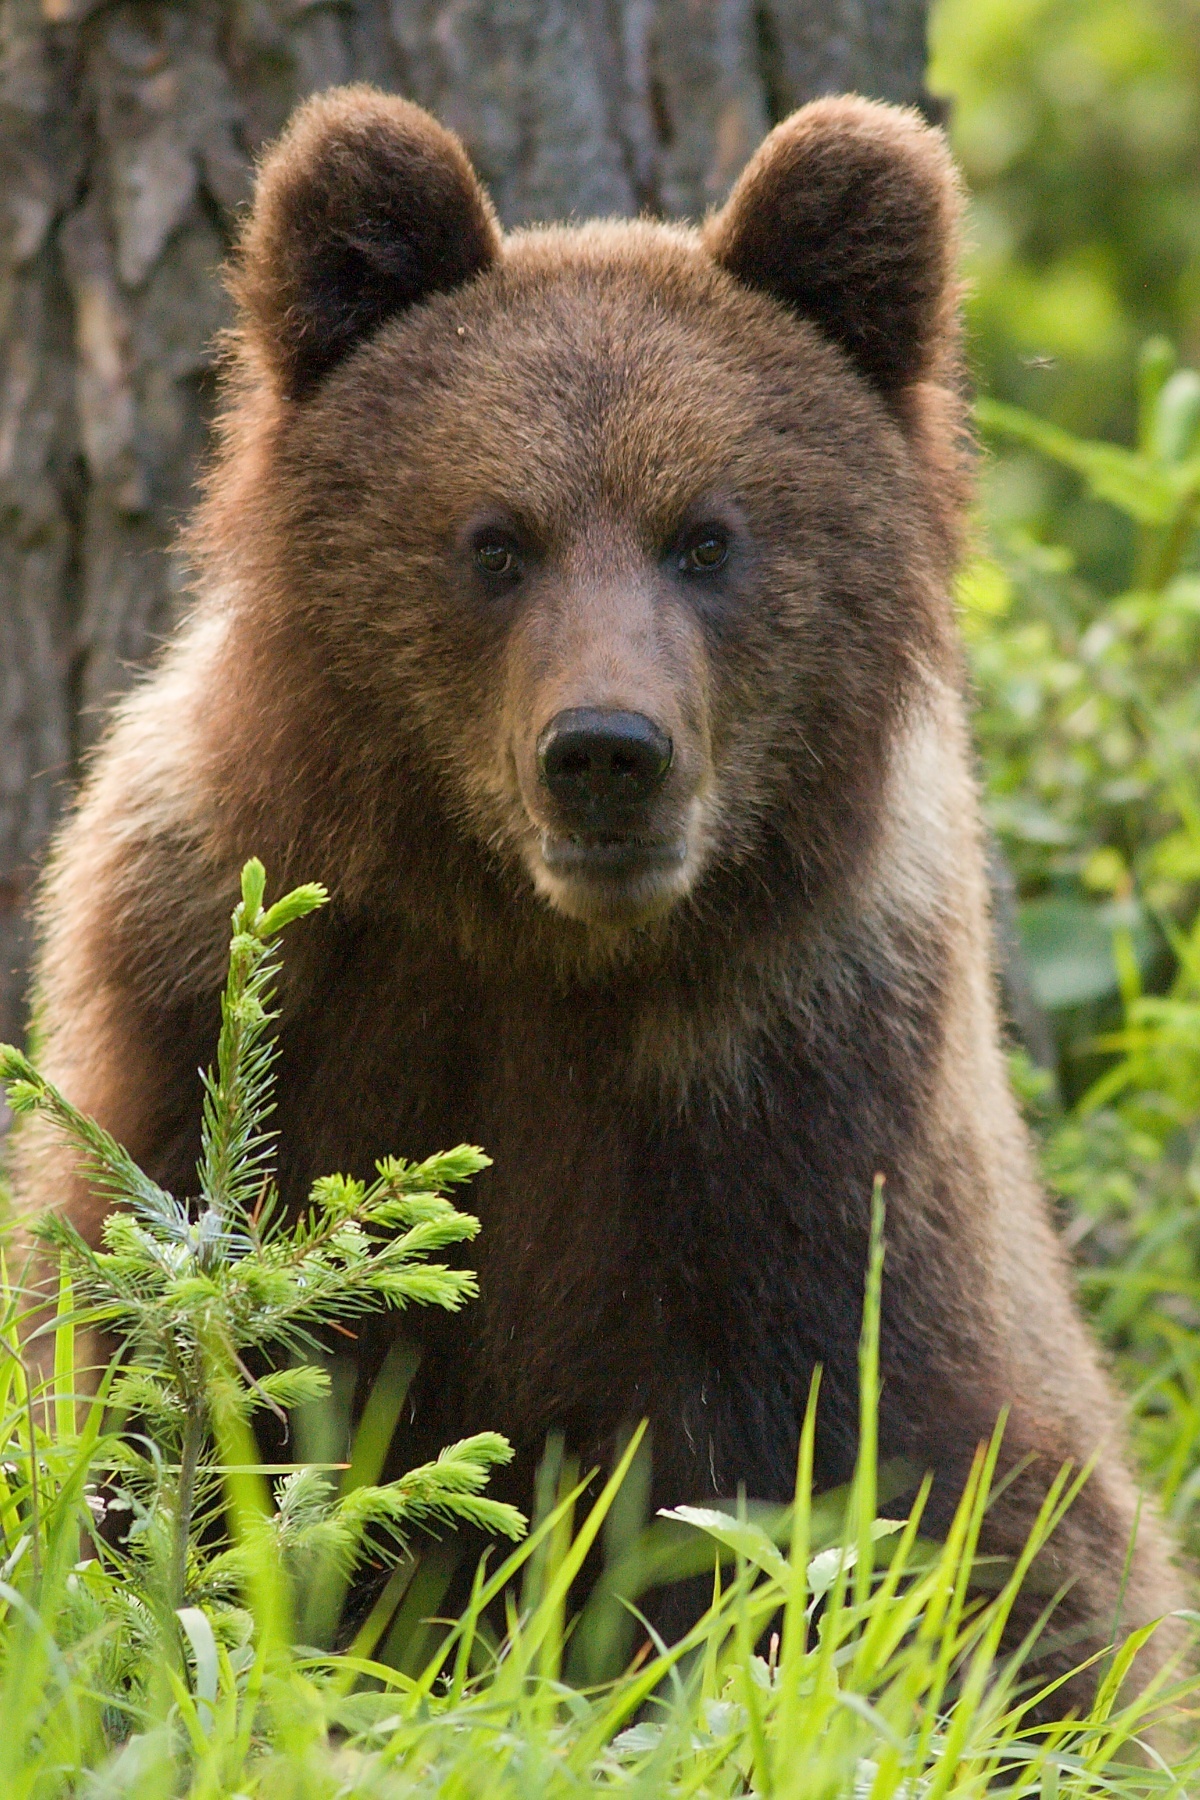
(882, 1678)
(1089, 728)
(1076, 123)
(1089, 701)
(203, 1298)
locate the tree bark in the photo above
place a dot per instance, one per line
(127, 138)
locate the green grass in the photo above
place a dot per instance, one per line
(883, 1676)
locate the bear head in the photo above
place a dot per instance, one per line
(623, 546)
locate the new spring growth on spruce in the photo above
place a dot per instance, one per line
(192, 1291)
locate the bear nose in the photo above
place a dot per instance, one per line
(602, 765)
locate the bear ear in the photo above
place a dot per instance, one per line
(364, 206)
(849, 214)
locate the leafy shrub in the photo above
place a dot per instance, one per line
(1089, 728)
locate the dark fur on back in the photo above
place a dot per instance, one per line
(688, 1092)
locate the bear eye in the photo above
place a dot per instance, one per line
(706, 552)
(495, 557)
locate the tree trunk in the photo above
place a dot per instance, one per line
(127, 133)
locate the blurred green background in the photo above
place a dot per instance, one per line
(1077, 123)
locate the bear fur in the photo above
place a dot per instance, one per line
(463, 488)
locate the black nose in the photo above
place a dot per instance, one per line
(603, 766)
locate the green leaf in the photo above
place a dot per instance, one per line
(1068, 945)
(827, 1565)
(296, 905)
(449, 1489)
(428, 1284)
(254, 886)
(446, 1169)
(1143, 489)
(1176, 422)
(339, 1195)
(451, 1227)
(204, 1651)
(738, 1535)
(1156, 363)
(66, 1380)
(15, 1065)
(111, 1168)
(293, 1387)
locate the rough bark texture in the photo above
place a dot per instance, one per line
(127, 137)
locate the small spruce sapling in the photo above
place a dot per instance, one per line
(189, 1290)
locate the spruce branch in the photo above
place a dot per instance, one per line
(108, 1166)
(310, 1522)
(196, 1291)
(235, 1153)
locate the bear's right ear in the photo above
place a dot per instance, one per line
(364, 206)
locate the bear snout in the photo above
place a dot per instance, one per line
(613, 846)
(602, 767)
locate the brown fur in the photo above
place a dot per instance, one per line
(689, 1085)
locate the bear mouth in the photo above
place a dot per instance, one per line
(609, 881)
(613, 858)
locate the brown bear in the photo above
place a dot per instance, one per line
(574, 604)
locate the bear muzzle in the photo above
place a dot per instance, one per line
(609, 850)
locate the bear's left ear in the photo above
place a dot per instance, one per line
(848, 213)
(365, 206)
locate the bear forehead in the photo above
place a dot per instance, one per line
(610, 363)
